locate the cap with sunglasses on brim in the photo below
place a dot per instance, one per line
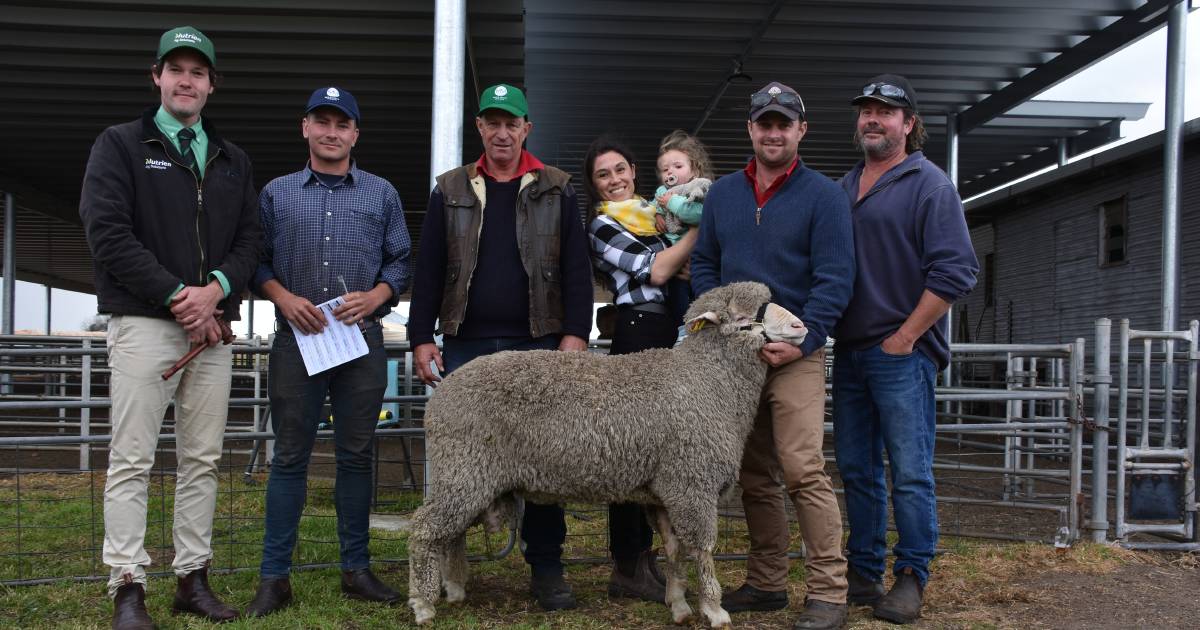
(336, 98)
(779, 98)
(504, 97)
(187, 37)
(890, 89)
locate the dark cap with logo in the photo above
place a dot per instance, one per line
(779, 98)
(890, 89)
(336, 98)
(187, 37)
(504, 97)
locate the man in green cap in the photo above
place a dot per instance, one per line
(471, 264)
(171, 216)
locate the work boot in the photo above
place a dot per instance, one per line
(129, 608)
(273, 594)
(644, 582)
(863, 591)
(819, 615)
(902, 604)
(552, 592)
(747, 597)
(193, 596)
(362, 584)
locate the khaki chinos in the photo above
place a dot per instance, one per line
(784, 448)
(140, 349)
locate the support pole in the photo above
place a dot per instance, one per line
(1103, 384)
(10, 263)
(1062, 144)
(449, 58)
(1172, 158)
(49, 295)
(952, 173)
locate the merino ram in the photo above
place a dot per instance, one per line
(660, 427)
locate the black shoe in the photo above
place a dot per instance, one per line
(129, 608)
(902, 604)
(747, 597)
(819, 615)
(273, 594)
(362, 584)
(552, 592)
(194, 597)
(863, 591)
(645, 583)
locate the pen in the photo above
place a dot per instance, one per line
(345, 290)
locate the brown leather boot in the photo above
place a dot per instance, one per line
(644, 583)
(273, 594)
(902, 604)
(129, 608)
(193, 596)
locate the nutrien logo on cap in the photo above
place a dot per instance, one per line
(186, 38)
(501, 93)
(333, 94)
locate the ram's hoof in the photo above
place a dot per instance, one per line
(422, 611)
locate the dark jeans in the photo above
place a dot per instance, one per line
(886, 401)
(355, 394)
(628, 532)
(544, 527)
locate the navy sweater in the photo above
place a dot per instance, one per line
(802, 248)
(910, 235)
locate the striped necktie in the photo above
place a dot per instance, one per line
(186, 135)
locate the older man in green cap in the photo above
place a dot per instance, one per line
(471, 265)
(171, 215)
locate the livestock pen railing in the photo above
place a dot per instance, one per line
(1010, 461)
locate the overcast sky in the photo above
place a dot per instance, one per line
(1135, 74)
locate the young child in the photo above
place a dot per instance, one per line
(685, 172)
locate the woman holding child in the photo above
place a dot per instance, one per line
(637, 261)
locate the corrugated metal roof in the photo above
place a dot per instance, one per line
(68, 68)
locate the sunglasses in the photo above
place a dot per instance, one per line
(790, 100)
(886, 89)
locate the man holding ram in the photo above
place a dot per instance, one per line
(787, 226)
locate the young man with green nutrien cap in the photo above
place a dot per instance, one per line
(171, 217)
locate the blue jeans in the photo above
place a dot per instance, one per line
(355, 394)
(886, 401)
(544, 527)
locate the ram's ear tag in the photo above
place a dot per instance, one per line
(696, 325)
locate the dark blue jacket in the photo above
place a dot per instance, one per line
(802, 248)
(910, 234)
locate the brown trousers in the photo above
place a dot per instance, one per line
(784, 449)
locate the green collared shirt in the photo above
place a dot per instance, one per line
(170, 127)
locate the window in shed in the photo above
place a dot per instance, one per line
(1114, 231)
(989, 280)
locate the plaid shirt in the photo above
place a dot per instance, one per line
(313, 234)
(626, 259)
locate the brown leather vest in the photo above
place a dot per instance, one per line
(539, 233)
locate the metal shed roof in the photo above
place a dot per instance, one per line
(68, 68)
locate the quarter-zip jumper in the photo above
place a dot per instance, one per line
(910, 235)
(798, 242)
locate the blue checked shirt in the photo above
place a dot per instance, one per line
(626, 260)
(314, 234)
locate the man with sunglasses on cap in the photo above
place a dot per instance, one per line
(331, 230)
(169, 210)
(914, 258)
(780, 223)
(504, 265)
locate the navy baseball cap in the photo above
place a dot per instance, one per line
(890, 89)
(334, 97)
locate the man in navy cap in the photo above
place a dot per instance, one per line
(331, 231)
(169, 210)
(914, 259)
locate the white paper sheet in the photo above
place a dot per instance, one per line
(336, 344)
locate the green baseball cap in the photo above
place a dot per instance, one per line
(187, 37)
(505, 97)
